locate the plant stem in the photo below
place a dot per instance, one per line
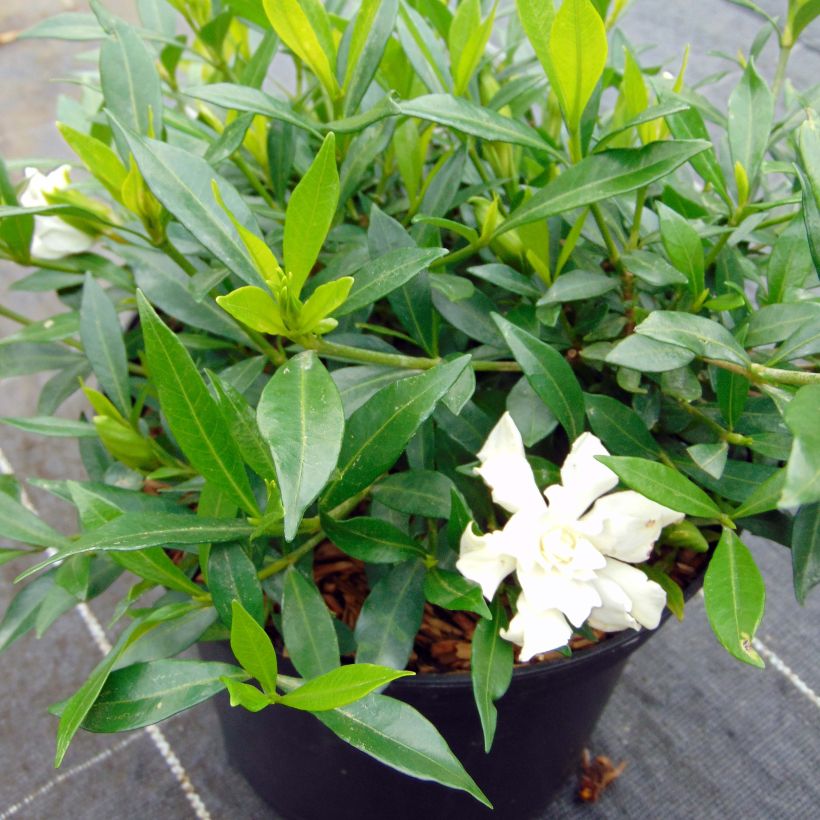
(168, 248)
(255, 183)
(462, 253)
(612, 248)
(771, 375)
(291, 557)
(14, 316)
(780, 73)
(723, 433)
(635, 233)
(274, 355)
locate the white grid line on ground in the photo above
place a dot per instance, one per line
(10, 811)
(156, 734)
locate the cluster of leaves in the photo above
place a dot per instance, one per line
(464, 227)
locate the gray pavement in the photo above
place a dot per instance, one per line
(704, 737)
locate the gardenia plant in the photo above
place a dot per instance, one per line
(368, 273)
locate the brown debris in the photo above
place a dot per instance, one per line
(596, 776)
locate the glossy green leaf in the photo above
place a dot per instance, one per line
(20, 524)
(232, 577)
(192, 413)
(307, 627)
(252, 647)
(301, 417)
(732, 393)
(252, 100)
(52, 426)
(452, 590)
(391, 616)
(603, 176)
(790, 262)
(644, 354)
(703, 337)
(100, 160)
(662, 484)
(549, 374)
(537, 17)
(416, 492)
(491, 669)
(385, 274)
(340, 687)
(534, 420)
(808, 142)
(735, 597)
(379, 430)
(711, 458)
(764, 498)
(15, 233)
(255, 308)
(751, 110)
(22, 611)
(153, 564)
(577, 285)
(469, 118)
(246, 695)
(310, 212)
(684, 247)
(372, 540)
(806, 550)
(619, 427)
(146, 693)
(182, 182)
(103, 343)
(397, 735)
(803, 470)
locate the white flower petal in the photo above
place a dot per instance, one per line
(648, 598)
(575, 599)
(628, 524)
(583, 478)
(614, 613)
(505, 470)
(536, 630)
(485, 559)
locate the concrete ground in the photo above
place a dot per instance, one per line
(703, 736)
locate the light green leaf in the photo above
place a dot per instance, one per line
(324, 301)
(52, 426)
(372, 540)
(310, 212)
(20, 524)
(153, 564)
(100, 160)
(803, 469)
(644, 354)
(452, 590)
(735, 597)
(711, 458)
(246, 695)
(577, 285)
(252, 647)
(684, 247)
(751, 111)
(537, 17)
(255, 308)
(340, 687)
(806, 550)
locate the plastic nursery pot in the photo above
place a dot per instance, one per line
(304, 772)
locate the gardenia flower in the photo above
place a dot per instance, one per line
(53, 238)
(570, 553)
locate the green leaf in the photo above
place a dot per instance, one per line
(192, 413)
(732, 392)
(385, 274)
(534, 420)
(643, 354)
(379, 430)
(310, 212)
(307, 627)
(751, 111)
(22, 611)
(153, 564)
(803, 469)
(255, 308)
(323, 302)
(102, 340)
(301, 417)
(675, 601)
(549, 375)
(391, 616)
(297, 30)
(397, 735)
(469, 118)
(683, 244)
(130, 84)
(790, 262)
(451, 590)
(806, 550)
(809, 147)
(146, 693)
(371, 32)
(243, 98)
(619, 427)
(340, 687)
(764, 498)
(804, 342)
(603, 176)
(711, 458)
(801, 14)
(52, 426)
(20, 524)
(246, 695)
(16, 233)
(372, 540)
(100, 160)
(505, 277)
(703, 337)
(183, 183)
(24, 358)
(491, 669)
(537, 17)
(232, 577)
(577, 285)
(252, 647)
(735, 597)
(416, 492)
(578, 51)
(662, 484)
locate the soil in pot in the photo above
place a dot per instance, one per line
(544, 721)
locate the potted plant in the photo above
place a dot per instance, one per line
(449, 365)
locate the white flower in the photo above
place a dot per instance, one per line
(567, 552)
(53, 238)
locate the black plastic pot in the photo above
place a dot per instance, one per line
(305, 772)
